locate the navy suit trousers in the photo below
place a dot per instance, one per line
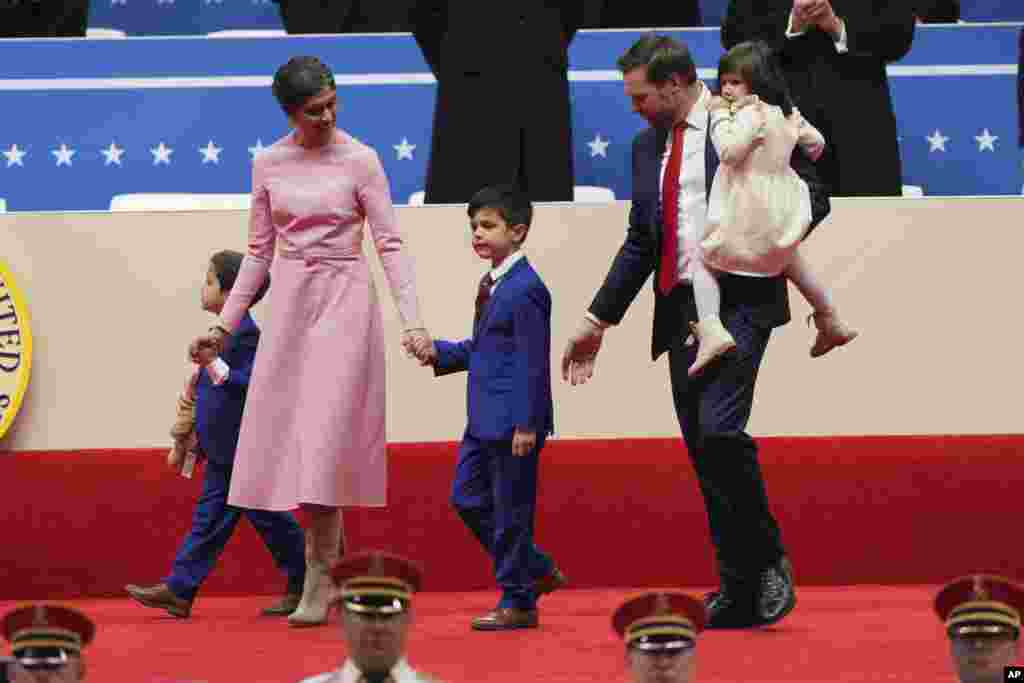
(713, 409)
(495, 494)
(214, 521)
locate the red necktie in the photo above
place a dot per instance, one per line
(667, 274)
(483, 295)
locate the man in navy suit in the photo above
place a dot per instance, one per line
(219, 389)
(713, 408)
(508, 358)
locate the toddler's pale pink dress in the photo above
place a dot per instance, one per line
(759, 208)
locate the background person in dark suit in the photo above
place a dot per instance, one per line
(345, 16)
(713, 408)
(650, 13)
(220, 389)
(43, 18)
(937, 11)
(834, 56)
(502, 113)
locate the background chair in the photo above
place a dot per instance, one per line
(171, 201)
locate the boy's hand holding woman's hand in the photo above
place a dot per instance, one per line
(207, 347)
(419, 345)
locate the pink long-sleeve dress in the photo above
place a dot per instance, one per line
(313, 426)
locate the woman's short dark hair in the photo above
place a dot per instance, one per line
(511, 203)
(226, 265)
(755, 63)
(661, 56)
(300, 79)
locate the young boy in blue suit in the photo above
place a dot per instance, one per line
(215, 395)
(508, 358)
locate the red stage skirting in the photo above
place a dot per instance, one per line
(614, 513)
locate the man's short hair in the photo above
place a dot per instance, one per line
(511, 203)
(661, 56)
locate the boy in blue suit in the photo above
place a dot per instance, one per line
(217, 391)
(508, 358)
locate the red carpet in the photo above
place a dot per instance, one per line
(885, 510)
(835, 634)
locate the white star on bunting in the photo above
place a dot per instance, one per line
(118, 2)
(599, 147)
(161, 154)
(937, 141)
(253, 151)
(165, 2)
(211, 153)
(986, 141)
(404, 150)
(15, 156)
(113, 154)
(63, 155)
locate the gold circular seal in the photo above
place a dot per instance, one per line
(15, 348)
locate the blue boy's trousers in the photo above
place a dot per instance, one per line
(214, 521)
(495, 494)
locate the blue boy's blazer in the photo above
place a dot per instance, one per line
(508, 359)
(219, 408)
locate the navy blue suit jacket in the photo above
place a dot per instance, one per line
(764, 300)
(508, 359)
(219, 408)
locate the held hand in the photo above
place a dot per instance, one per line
(427, 355)
(418, 344)
(581, 353)
(205, 356)
(523, 442)
(213, 340)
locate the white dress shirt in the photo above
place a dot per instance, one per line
(693, 195)
(350, 673)
(504, 267)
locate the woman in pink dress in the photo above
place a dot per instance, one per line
(313, 429)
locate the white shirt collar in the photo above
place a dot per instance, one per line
(698, 116)
(506, 265)
(400, 673)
